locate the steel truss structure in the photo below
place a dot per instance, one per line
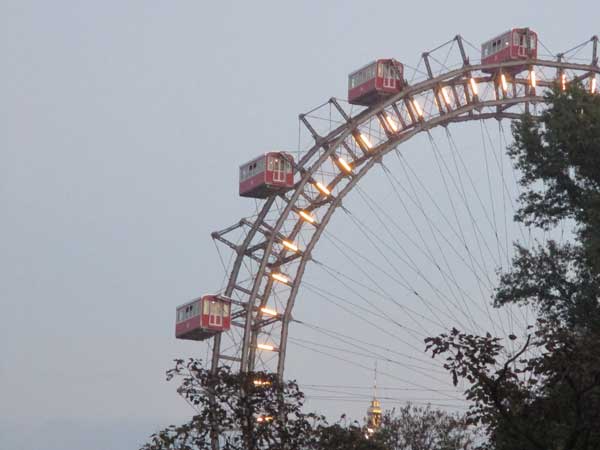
(273, 248)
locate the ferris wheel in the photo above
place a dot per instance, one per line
(421, 241)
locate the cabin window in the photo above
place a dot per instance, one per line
(362, 76)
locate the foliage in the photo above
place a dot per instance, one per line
(424, 428)
(250, 416)
(559, 159)
(256, 411)
(546, 395)
(346, 437)
(549, 401)
(558, 281)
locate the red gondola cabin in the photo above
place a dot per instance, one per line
(516, 44)
(267, 175)
(377, 80)
(202, 318)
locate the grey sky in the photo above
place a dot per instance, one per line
(121, 128)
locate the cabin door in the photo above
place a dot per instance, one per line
(215, 317)
(522, 45)
(388, 77)
(278, 170)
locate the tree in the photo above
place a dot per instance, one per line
(558, 157)
(424, 428)
(546, 395)
(248, 411)
(346, 437)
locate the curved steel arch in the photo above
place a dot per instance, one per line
(465, 94)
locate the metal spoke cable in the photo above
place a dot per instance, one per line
(352, 341)
(324, 394)
(382, 313)
(409, 311)
(382, 270)
(489, 179)
(466, 311)
(406, 169)
(225, 271)
(371, 204)
(502, 134)
(454, 152)
(423, 371)
(379, 372)
(410, 263)
(343, 394)
(437, 405)
(503, 144)
(379, 314)
(438, 158)
(379, 388)
(428, 253)
(432, 226)
(505, 191)
(434, 235)
(457, 152)
(444, 64)
(499, 165)
(477, 233)
(475, 190)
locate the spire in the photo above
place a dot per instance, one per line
(374, 411)
(375, 382)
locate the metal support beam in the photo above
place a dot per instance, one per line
(425, 57)
(461, 48)
(335, 103)
(399, 115)
(310, 128)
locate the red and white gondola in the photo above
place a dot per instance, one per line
(513, 45)
(379, 79)
(202, 318)
(266, 175)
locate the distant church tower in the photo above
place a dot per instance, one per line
(374, 411)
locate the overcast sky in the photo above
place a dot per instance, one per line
(122, 124)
